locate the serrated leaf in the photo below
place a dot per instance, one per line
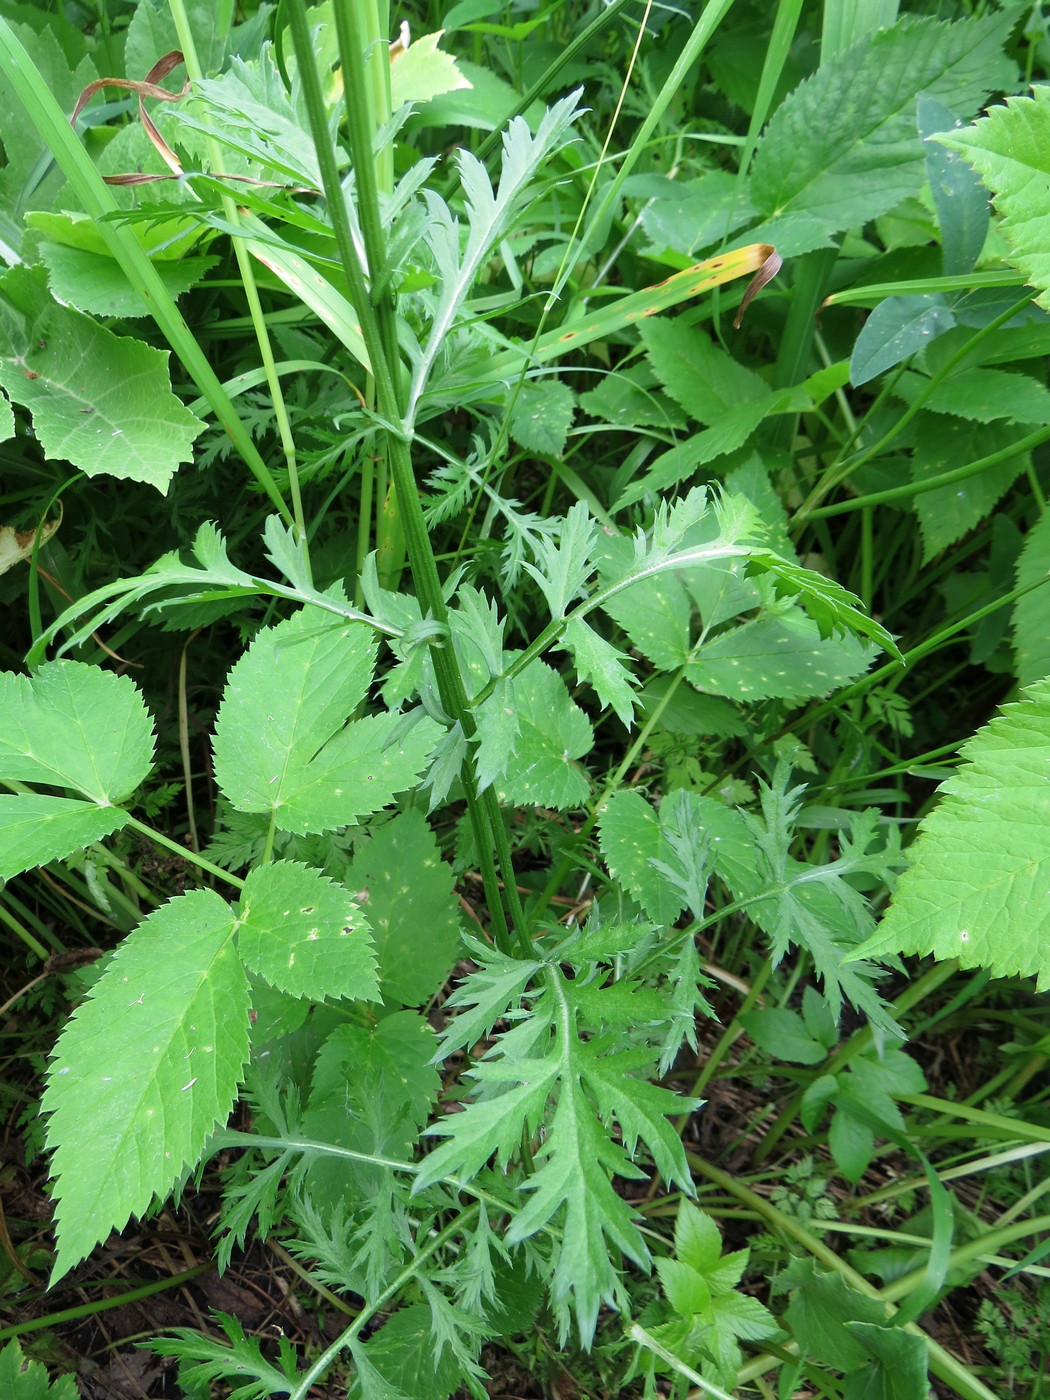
(821, 1307)
(498, 724)
(406, 892)
(372, 1091)
(36, 829)
(778, 654)
(946, 513)
(100, 401)
(852, 1144)
(1031, 613)
(980, 871)
(74, 725)
(900, 1366)
(654, 612)
(698, 374)
(304, 934)
(423, 71)
(600, 663)
(843, 148)
(982, 395)
(98, 286)
(631, 839)
(542, 416)
(145, 1070)
(28, 1380)
(553, 732)
(1008, 148)
(282, 744)
(782, 1033)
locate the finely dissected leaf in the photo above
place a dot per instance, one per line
(28, 1380)
(542, 416)
(100, 401)
(145, 1070)
(73, 725)
(1031, 613)
(35, 829)
(946, 513)
(631, 840)
(490, 992)
(372, 1091)
(282, 744)
(780, 654)
(406, 893)
(490, 216)
(843, 148)
(249, 111)
(961, 201)
(980, 871)
(304, 934)
(206, 1361)
(1010, 150)
(577, 1155)
(898, 328)
(599, 662)
(553, 732)
(562, 568)
(812, 907)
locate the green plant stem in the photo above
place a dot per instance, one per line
(712, 15)
(858, 1042)
(20, 931)
(918, 488)
(18, 71)
(547, 81)
(843, 469)
(403, 1279)
(643, 1338)
(990, 1242)
(943, 1365)
(194, 859)
(119, 1300)
(378, 330)
(874, 678)
(1008, 1128)
(184, 30)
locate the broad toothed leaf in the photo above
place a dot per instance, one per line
(145, 1070)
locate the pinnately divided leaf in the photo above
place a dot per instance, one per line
(1008, 149)
(282, 741)
(145, 1070)
(72, 726)
(591, 1088)
(979, 882)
